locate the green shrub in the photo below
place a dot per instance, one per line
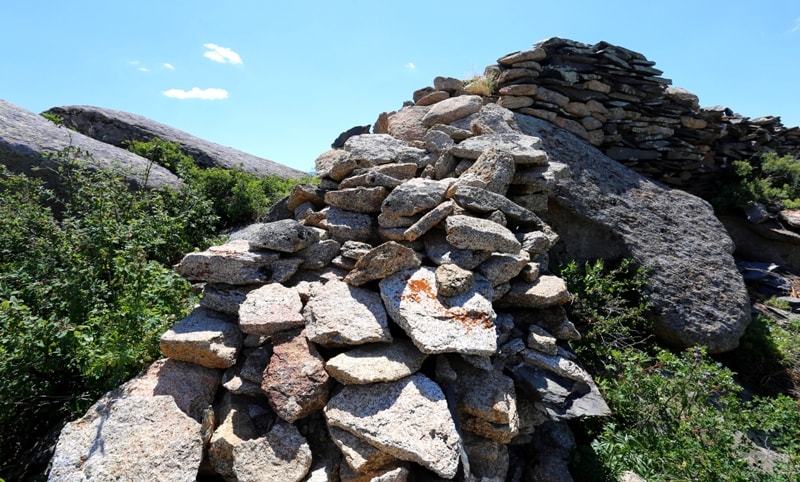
(84, 294)
(237, 197)
(771, 180)
(675, 416)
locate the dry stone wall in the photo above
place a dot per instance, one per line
(617, 100)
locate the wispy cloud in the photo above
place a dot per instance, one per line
(168, 66)
(222, 55)
(410, 66)
(197, 93)
(796, 27)
(144, 69)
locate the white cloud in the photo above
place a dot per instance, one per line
(410, 66)
(222, 55)
(796, 27)
(168, 66)
(197, 93)
(144, 69)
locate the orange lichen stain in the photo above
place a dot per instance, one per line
(469, 319)
(416, 288)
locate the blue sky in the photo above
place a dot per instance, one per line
(283, 79)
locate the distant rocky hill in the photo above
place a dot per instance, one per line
(400, 321)
(116, 127)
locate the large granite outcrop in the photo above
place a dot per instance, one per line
(116, 127)
(605, 210)
(26, 139)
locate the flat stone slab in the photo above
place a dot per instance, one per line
(270, 309)
(462, 324)
(408, 419)
(132, 438)
(338, 314)
(234, 263)
(381, 149)
(466, 232)
(414, 196)
(452, 109)
(524, 149)
(376, 363)
(546, 291)
(286, 235)
(380, 262)
(208, 338)
(483, 201)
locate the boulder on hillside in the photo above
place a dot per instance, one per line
(605, 210)
(26, 137)
(116, 127)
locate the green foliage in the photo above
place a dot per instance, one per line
(54, 118)
(237, 197)
(85, 293)
(675, 416)
(771, 180)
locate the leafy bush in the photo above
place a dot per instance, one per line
(675, 416)
(85, 293)
(771, 180)
(237, 197)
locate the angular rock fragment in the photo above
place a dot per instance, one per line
(295, 382)
(358, 199)
(358, 454)
(376, 363)
(380, 262)
(414, 196)
(408, 419)
(270, 309)
(493, 170)
(125, 439)
(381, 149)
(208, 338)
(546, 291)
(349, 226)
(280, 455)
(450, 110)
(483, 201)
(234, 263)
(441, 252)
(336, 164)
(319, 255)
(502, 267)
(224, 298)
(286, 236)
(466, 232)
(451, 280)
(462, 324)
(338, 314)
(428, 221)
(524, 149)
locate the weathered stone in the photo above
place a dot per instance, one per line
(540, 340)
(433, 97)
(441, 252)
(524, 149)
(270, 309)
(605, 210)
(381, 261)
(537, 242)
(376, 363)
(502, 267)
(557, 364)
(463, 323)
(414, 196)
(191, 386)
(286, 236)
(514, 101)
(295, 382)
(438, 141)
(408, 419)
(492, 171)
(406, 124)
(123, 439)
(223, 297)
(355, 249)
(790, 217)
(381, 149)
(319, 255)
(519, 89)
(233, 263)
(466, 232)
(491, 119)
(535, 54)
(371, 178)
(452, 109)
(428, 221)
(456, 133)
(552, 97)
(349, 226)
(283, 269)
(338, 314)
(401, 170)
(447, 84)
(208, 338)
(235, 425)
(358, 454)
(482, 201)
(488, 459)
(391, 221)
(553, 319)
(546, 291)
(280, 455)
(358, 199)
(451, 280)
(336, 164)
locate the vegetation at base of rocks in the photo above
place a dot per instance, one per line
(675, 416)
(771, 180)
(485, 85)
(237, 197)
(85, 291)
(54, 118)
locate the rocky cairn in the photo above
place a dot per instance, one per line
(402, 320)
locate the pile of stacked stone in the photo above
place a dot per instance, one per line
(617, 100)
(398, 320)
